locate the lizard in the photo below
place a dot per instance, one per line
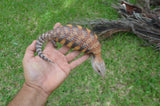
(75, 37)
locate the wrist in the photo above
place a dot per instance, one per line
(29, 95)
(36, 90)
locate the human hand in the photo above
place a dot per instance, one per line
(46, 75)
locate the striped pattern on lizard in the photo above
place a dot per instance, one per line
(77, 38)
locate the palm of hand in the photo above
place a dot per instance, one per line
(47, 75)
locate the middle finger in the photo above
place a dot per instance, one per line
(72, 55)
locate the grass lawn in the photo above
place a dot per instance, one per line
(132, 71)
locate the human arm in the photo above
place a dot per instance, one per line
(41, 77)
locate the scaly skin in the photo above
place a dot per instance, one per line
(77, 38)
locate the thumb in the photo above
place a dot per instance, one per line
(30, 50)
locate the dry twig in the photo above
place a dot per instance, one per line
(140, 20)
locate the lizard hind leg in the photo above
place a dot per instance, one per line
(54, 43)
(56, 26)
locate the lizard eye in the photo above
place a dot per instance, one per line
(99, 71)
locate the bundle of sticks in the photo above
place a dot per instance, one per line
(139, 19)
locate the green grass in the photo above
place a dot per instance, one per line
(132, 71)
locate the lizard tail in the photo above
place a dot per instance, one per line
(44, 37)
(98, 64)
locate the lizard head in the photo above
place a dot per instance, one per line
(98, 65)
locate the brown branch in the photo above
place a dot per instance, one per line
(138, 19)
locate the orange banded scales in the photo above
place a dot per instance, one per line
(77, 38)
